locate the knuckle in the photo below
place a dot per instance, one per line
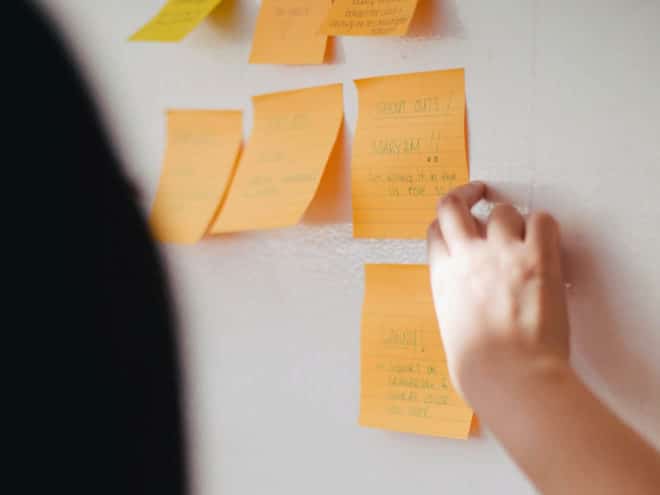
(450, 202)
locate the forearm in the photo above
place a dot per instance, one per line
(561, 435)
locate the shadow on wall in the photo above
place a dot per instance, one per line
(435, 19)
(599, 342)
(226, 235)
(334, 52)
(332, 202)
(226, 20)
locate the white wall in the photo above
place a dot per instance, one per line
(564, 114)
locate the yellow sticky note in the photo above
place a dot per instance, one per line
(202, 148)
(369, 18)
(409, 150)
(175, 20)
(287, 32)
(293, 135)
(404, 379)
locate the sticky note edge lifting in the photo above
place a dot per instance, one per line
(213, 228)
(236, 153)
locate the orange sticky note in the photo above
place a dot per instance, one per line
(202, 148)
(293, 135)
(409, 150)
(287, 32)
(175, 20)
(405, 384)
(369, 18)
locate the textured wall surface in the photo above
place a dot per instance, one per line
(564, 114)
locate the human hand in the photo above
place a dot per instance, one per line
(497, 288)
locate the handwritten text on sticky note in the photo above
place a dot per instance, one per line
(369, 18)
(287, 32)
(404, 379)
(277, 177)
(409, 150)
(202, 147)
(175, 20)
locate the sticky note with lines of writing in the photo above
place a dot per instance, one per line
(277, 177)
(409, 150)
(287, 32)
(369, 17)
(404, 380)
(202, 148)
(175, 20)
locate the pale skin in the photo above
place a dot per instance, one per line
(501, 306)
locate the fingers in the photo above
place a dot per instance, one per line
(542, 236)
(455, 220)
(505, 225)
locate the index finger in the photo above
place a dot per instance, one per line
(470, 193)
(456, 222)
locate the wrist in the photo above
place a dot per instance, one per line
(508, 370)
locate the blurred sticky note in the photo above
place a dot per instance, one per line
(409, 150)
(202, 148)
(287, 32)
(405, 384)
(369, 18)
(277, 177)
(175, 20)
